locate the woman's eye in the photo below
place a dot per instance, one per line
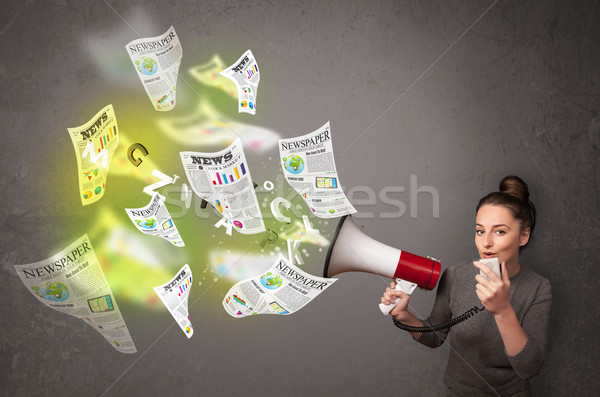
(501, 232)
(479, 232)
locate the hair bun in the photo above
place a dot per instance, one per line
(515, 186)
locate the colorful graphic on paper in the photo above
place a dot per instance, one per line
(168, 224)
(146, 66)
(278, 309)
(326, 182)
(149, 223)
(183, 287)
(238, 224)
(56, 291)
(91, 173)
(252, 70)
(293, 164)
(102, 140)
(163, 98)
(271, 281)
(224, 178)
(101, 304)
(237, 299)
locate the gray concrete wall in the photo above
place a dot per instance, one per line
(454, 95)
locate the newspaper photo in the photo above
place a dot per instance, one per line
(309, 167)
(72, 282)
(155, 220)
(95, 142)
(282, 289)
(174, 295)
(223, 180)
(244, 73)
(157, 60)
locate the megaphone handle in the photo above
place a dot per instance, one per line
(406, 286)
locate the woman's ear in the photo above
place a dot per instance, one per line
(524, 238)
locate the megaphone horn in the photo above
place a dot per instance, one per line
(353, 251)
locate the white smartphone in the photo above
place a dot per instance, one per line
(493, 264)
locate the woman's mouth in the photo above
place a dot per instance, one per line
(489, 255)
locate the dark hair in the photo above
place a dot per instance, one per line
(514, 195)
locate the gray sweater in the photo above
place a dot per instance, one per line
(478, 364)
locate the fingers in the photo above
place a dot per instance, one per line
(483, 291)
(486, 270)
(504, 272)
(388, 297)
(482, 280)
(482, 299)
(394, 297)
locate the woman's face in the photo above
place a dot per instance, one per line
(498, 234)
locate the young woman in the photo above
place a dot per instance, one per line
(494, 352)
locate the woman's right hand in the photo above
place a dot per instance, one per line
(389, 297)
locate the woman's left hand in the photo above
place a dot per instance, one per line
(494, 293)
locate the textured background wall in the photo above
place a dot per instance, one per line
(455, 93)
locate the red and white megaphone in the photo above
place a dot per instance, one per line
(353, 251)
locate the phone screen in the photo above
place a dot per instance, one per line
(326, 182)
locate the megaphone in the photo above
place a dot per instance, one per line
(353, 251)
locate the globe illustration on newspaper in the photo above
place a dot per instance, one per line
(293, 164)
(271, 281)
(56, 291)
(149, 223)
(147, 66)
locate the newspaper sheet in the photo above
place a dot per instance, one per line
(95, 142)
(174, 295)
(157, 61)
(223, 180)
(282, 289)
(154, 219)
(72, 282)
(309, 167)
(244, 73)
(209, 74)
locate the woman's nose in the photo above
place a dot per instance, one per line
(488, 241)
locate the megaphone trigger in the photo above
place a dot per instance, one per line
(405, 286)
(353, 251)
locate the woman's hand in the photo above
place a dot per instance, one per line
(390, 295)
(494, 293)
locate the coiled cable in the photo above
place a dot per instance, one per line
(432, 328)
